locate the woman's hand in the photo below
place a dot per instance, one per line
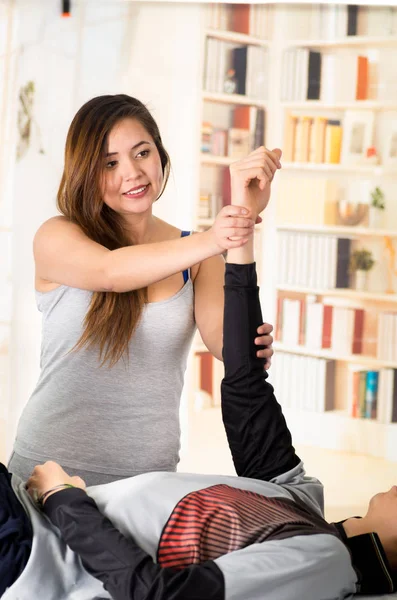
(45, 477)
(265, 339)
(251, 178)
(232, 228)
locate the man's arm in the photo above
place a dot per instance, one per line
(258, 436)
(126, 571)
(257, 433)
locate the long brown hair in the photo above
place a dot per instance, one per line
(112, 317)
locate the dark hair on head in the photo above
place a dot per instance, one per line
(112, 317)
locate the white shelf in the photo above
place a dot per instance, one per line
(238, 38)
(347, 42)
(339, 168)
(340, 106)
(339, 230)
(342, 292)
(336, 430)
(210, 159)
(239, 99)
(353, 358)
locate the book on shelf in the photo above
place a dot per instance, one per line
(387, 396)
(210, 373)
(312, 139)
(371, 394)
(307, 383)
(368, 393)
(330, 77)
(292, 321)
(226, 187)
(336, 21)
(313, 261)
(318, 331)
(214, 140)
(347, 330)
(261, 20)
(314, 75)
(387, 336)
(374, 21)
(343, 249)
(303, 382)
(362, 78)
(302, 140)
(352, 15)
(317, 143)
(259, 128)
(218, 16)
(239, 143)
(252, 119)
(208, 205)
(318, 326)
(240, 18)
(219, 142)
(206, 137)
(249, 62)
(246, 132)
(239, 62)
(333, 142)
(206, 372)
(252, 19)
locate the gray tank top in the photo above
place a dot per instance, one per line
(122, 420)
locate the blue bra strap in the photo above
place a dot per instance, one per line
(186, 272)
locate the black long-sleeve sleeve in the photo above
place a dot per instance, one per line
(127, 571)
(257, 433)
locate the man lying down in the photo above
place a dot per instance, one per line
(174, 536)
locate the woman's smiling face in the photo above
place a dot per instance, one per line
(132, 172)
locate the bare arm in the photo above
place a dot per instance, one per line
(208, 303)
(65, 255)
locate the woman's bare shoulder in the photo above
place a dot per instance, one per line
(57, 224)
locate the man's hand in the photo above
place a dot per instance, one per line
(251, 179)
(47, 476)
(265, 339)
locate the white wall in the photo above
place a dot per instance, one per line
(105, 47)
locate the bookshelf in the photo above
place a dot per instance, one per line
(346, 42)
(235, 37)
(342, 293)
(339, 230)
(238, 99)
(337, 426)
(223, 114)
(233, 99)
(209, 159)
(374, 170)
(339, 106)
(352, 358)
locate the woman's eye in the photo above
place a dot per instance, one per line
(143, 153)
(111, 164)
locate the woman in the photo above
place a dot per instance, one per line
(120, 303)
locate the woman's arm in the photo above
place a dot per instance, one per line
(65, 255)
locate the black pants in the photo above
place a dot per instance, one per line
(260, 443)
